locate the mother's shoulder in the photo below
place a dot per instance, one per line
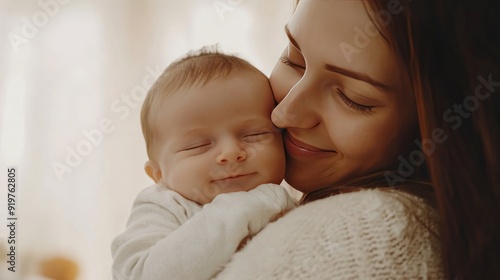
(387, 233)
(376, 205)
(371, 198)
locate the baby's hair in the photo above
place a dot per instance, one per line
(194, 69)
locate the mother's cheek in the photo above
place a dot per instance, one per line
(360, 138)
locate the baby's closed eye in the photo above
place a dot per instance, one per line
(258, 136)
(197, 147)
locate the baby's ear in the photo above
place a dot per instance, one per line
(153, 171)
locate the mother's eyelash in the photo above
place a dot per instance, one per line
(352, 104)
(284, 59)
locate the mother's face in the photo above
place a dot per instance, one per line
(344, 98)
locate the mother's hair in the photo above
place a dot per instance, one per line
(451, 49)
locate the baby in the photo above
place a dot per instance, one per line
(216, 159)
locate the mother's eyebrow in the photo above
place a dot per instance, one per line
(349, 73)
(357, 75)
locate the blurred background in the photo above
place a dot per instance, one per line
(73, 75)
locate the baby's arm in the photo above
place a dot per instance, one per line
(156, 246)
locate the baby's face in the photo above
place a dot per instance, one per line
(219, 138)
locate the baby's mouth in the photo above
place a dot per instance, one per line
(234, 177)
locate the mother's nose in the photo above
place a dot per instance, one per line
(298, 109)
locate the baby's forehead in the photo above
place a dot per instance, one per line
(195, 106)
(195, 90)
(243, 85)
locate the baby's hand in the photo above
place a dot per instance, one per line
(258, 206)
(274, 202)
(276, 194)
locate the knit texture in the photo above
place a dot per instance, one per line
(370, 234)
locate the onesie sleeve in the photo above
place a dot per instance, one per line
(169, 237)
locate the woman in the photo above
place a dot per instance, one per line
(391, 117)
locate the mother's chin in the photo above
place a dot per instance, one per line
(308, 176)
(308, 170)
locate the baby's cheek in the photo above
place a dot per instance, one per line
(276, 162)
(180, 177)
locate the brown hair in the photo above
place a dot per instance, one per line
(194, 69)
(451, 52)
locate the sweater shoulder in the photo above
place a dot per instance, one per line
(374, 205)
(398, 214)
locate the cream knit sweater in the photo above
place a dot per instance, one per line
(370, 234)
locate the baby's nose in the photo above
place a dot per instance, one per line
(231, 152)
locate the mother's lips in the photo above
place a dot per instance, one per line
(303, 146)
